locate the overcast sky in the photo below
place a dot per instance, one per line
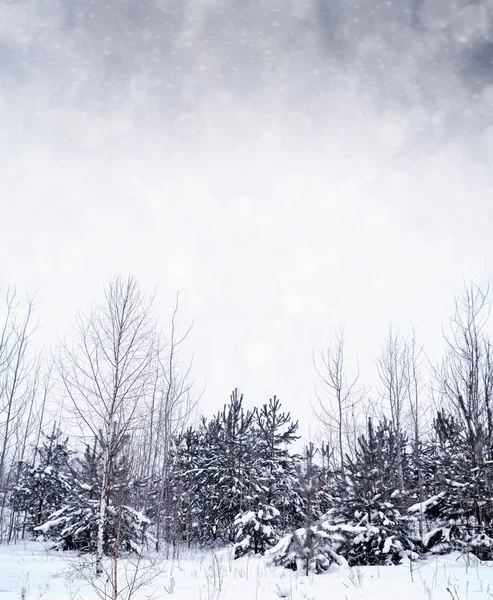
(288, 165)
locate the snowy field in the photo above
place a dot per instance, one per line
(28, 572)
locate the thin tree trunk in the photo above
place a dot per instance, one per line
(102, 513)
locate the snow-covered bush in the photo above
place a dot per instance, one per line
(462, 536)
(312, 549)
(482, 546)
(385, 540)
(254, 530)
(377, 545)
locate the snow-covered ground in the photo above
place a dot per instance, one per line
(28, 571)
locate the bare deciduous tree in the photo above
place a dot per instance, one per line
(169, 406)
(466, 375)
(106, 369)
(415, 388)
(16, 379)
(417, 411)
(29, 429)
(177, 402)
(340, 392)
(393, 371)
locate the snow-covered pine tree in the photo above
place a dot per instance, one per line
(276, 467)
(465, 428)
(461, 507)
(311, 487)
(370, 496)
(43, 487)
(256, 530)
(187, 496)
(226, 473)
(313, 547)
(273, 494)
(74, 525)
